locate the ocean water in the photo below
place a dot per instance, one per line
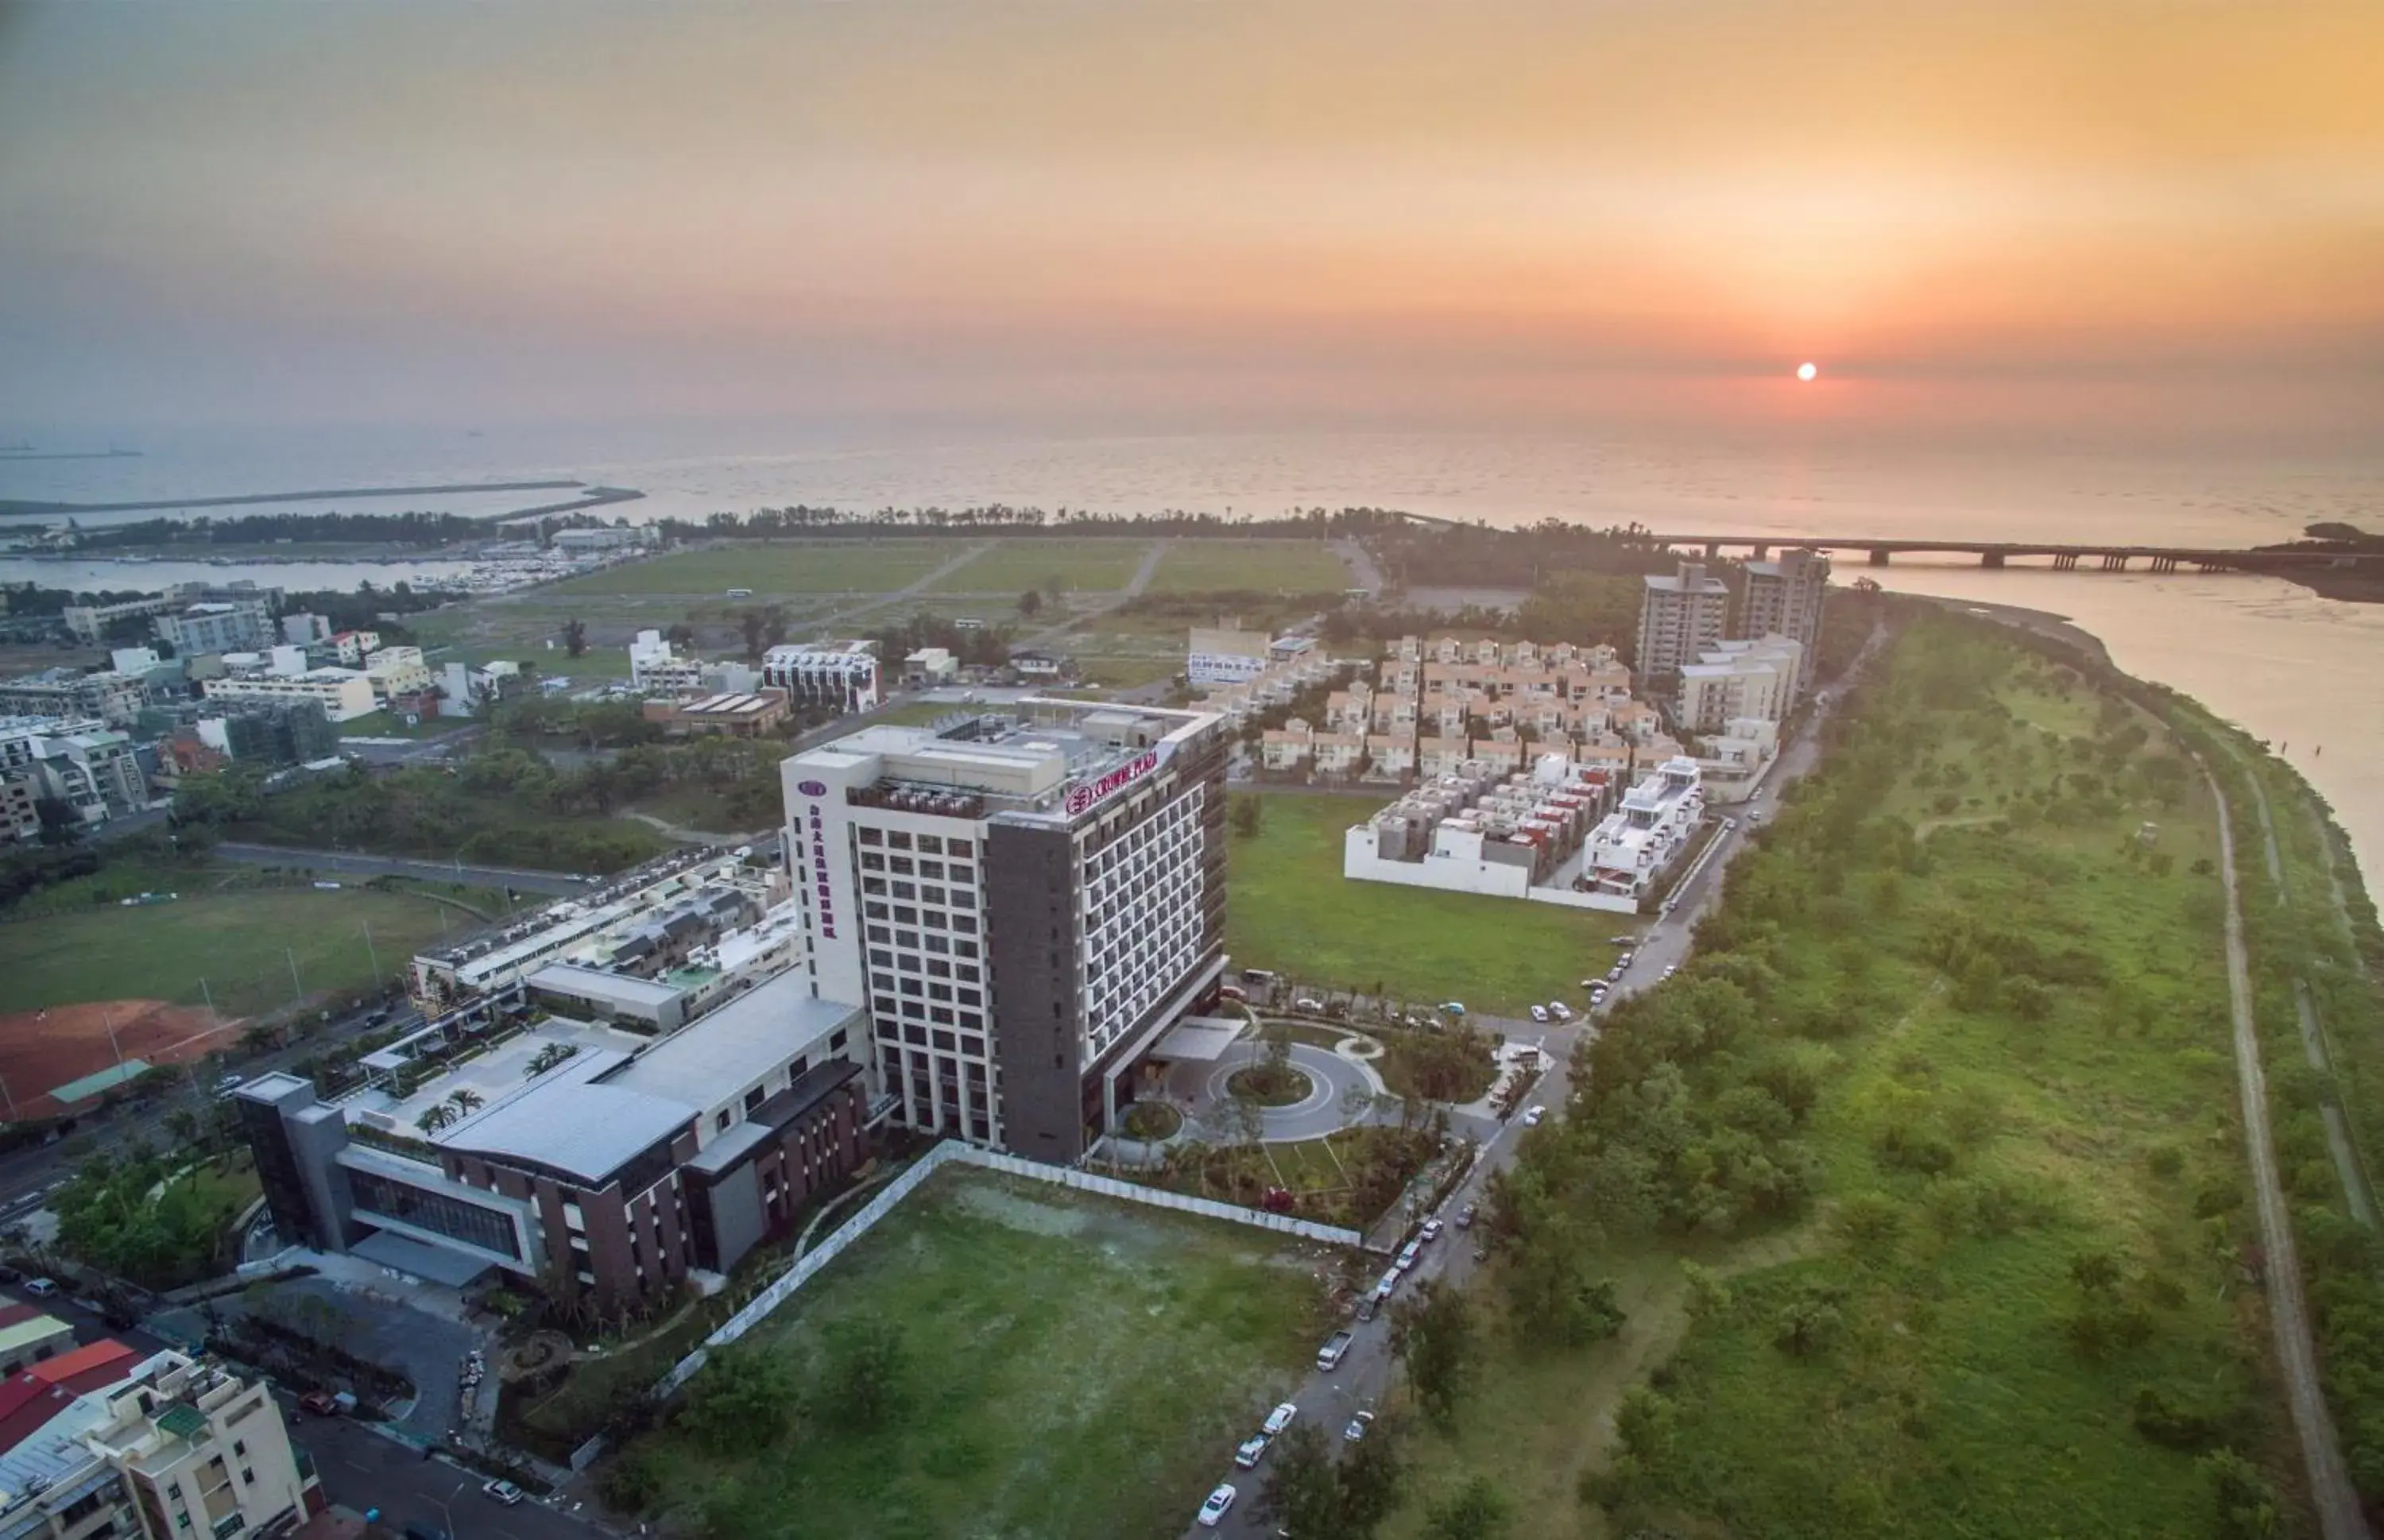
(2302, 671)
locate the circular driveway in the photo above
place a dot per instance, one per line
(1318, 1113)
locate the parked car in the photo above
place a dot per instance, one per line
(1370, 1307)
(1279, 1419)
(1358, 1426)
(1540, 1014)
(1388, 1284)
(1231, 991)
(1430, 1233)
(319, 1403)
(1559, 1009)
(1213, 1512)
(1409, 1255)
(1252, 1451)
(1306, 1003)
(1465, 1215)
(1532, 1116)
(1755, 817)
(1453, 1007)
(230, 1082)
(1670, 968)
(40, 1288)
(503, 1492)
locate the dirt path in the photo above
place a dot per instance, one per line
(1133, 590)
(2331, 1488)
(2342, 1147)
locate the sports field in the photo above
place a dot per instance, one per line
(241, 941)
(1014, 566)
(774, 567)
(1251, 566)
(1289, 908)
(1069, 1367)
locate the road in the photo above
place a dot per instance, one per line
(340, 863)
(363, 1470)
(2331, 1490)
(1366, 1371)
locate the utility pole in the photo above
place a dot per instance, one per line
(294, 982)
(5, 1095)
(208, 995)
(372, 952)
(113, 1045)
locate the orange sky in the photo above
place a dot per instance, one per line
(1400, 209)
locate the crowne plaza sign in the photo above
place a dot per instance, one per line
(1085, 795)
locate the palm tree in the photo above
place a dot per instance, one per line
(467, 1100)
(435, 1119)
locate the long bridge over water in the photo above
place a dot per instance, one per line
(2063, 557)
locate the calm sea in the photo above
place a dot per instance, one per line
(2303, 672)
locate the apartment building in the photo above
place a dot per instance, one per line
(1027, 902)
(655, 669)
(343, 694)
(111, 698)
(219, 626)
(21, 797)
(1785, 597)
(395, 671)
(1757, 681)
(842, 676)
(91, 769)
(90, 623)
(173, 1448)
(1680, 616)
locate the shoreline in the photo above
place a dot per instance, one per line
(2061, 629)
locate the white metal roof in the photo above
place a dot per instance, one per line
(720, 1053)
(590, 1131)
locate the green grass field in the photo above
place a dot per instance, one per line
(774, 567)
(1289, 908)
(1094, 563)
(1073, 1369)
(240, 941)
(1977, 1128)
(1254, 565)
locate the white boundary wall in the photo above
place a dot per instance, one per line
(786, 1285)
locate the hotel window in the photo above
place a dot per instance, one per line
(882, 1004)
(936, 895)
(957, 846)
(880, 933)
(874, 910)
(901, 865)
(874, 885)
(872, 861)
(932, 869)
(898, 839)
(906, 890)
(872, 836)
(930, 845)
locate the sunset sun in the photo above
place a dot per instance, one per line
(1808, 372)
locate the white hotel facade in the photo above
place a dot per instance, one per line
(1023, 903)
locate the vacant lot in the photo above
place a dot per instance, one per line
(1014, 565)
(1290, 909)
(242, 942)
(1252, 566)
(775, 567)
(1067, 1368)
